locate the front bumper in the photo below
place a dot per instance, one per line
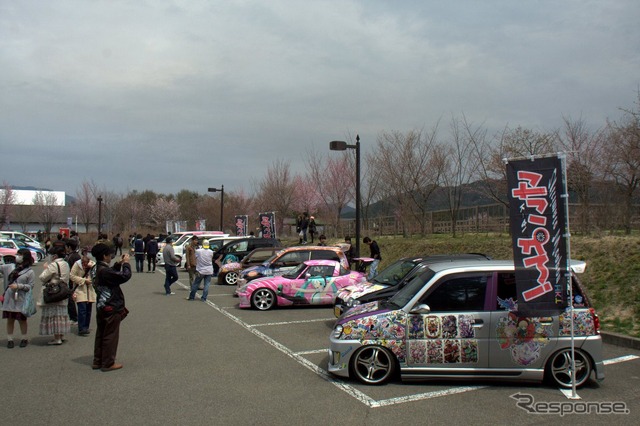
(340, 352)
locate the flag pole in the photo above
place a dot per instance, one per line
(565, 196)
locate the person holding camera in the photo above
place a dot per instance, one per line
(110, 305)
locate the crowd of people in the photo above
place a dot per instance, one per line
(87, 282)
(93, 280)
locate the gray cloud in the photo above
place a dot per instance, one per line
(167, 95)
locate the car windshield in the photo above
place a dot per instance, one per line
(181, 240)
(402, 297)
(295, 273)
(394, 273)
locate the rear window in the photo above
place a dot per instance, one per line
(507, 294)
(324, 255)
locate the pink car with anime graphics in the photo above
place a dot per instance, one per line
(313, 282)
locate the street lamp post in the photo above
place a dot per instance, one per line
(221, 190)
(99, 215)
(342, 146)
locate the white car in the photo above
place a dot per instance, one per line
(20, 237)
(180, 245)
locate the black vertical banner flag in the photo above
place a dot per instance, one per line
(539, 234)
(241, 225)
(267, 224)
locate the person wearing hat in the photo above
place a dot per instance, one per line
(312, 227)
(110, 305)
(171, 262)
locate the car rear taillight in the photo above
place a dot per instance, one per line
(596, 320)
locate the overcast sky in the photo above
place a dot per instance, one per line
(187, 94)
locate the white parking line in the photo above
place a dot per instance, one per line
(290, 322)
(347, 388)
(316, 351)
(620, 359)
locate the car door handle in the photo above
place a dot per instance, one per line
(477, 323)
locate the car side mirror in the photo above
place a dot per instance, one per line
(421, 309)
(307, 275)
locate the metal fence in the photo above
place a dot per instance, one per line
(486, 219)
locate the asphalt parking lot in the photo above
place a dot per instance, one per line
(213, 363)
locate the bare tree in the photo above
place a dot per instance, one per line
(48, 209)
(7, 201)
(334, 176)
(623, 158)
(85, 208)
(275, 192)
(584, 150)
(460, 165)
(509, 143)
(410, 167)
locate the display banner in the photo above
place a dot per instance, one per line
(201, 225)
(241, 225)
(539, 233)
(267, 224)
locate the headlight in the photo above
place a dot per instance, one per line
(252, 274)
(337, 332)
(351, 302)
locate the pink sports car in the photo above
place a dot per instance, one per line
(314, 282)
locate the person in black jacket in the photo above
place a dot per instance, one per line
(110, 306)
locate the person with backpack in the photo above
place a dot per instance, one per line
(110, 305)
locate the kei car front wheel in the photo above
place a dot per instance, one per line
(373, 365)
(559, 368)
(263, 299)
(231, 278)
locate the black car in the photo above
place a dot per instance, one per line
(234, 251)
(229, 272)
(394, 277)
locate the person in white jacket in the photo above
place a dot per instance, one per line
(55, 317)
(84, 294)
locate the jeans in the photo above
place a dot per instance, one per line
(84, 315)
(151, 260)
(139, 262)
(373, 269)
(172, 277)
(196, 284)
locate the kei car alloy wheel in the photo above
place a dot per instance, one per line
(263, 299)
(373, 365)
(559, 368)
(231, 278)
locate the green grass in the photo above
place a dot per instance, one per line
(612, 277)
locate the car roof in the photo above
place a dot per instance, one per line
(471, 265)
(314, 248)
(321, 262)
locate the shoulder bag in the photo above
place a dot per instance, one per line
(56, 290)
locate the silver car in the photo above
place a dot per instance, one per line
(458, 320)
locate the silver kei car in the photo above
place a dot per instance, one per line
(458, 320)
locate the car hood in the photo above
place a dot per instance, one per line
(360, 289)
(364, 310)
